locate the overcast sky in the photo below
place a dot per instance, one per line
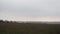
(29, 9)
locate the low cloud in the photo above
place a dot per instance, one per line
(15, 18)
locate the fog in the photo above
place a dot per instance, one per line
(27, 9)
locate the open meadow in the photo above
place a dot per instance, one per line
(28, 28)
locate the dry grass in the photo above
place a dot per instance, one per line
(24, 28)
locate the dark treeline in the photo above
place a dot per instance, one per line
(14, 27)
(21, 22)
(6, 21)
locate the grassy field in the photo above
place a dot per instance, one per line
(27, 28)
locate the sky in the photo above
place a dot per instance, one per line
(30, 10)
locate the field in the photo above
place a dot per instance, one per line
(29, 28)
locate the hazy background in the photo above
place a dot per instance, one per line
(30, 10)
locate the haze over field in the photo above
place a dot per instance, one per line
(30, 10)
